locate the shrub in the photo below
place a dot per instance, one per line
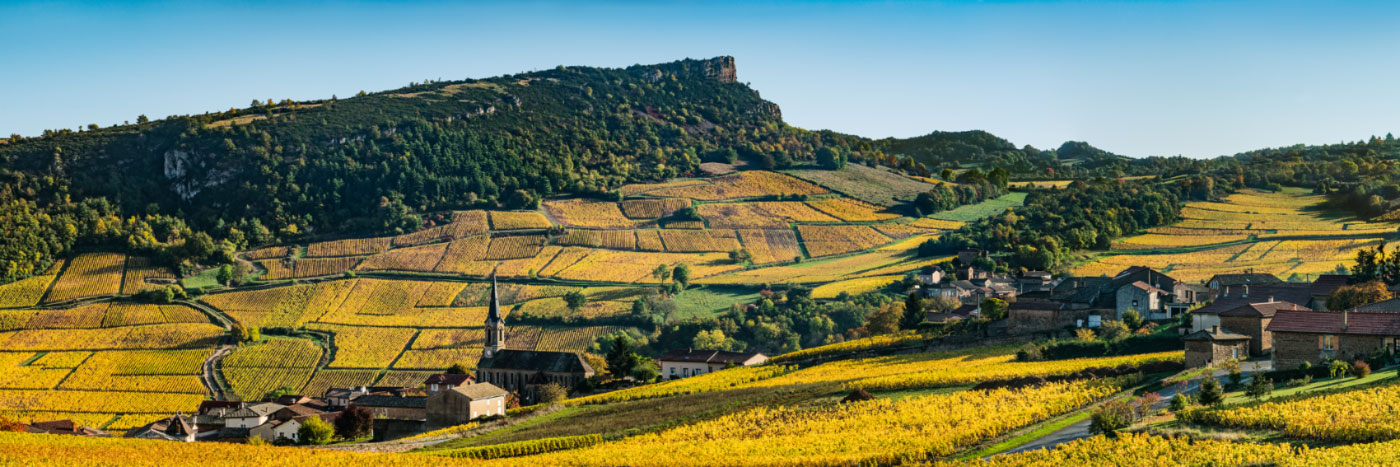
(1338, 368)
(1114, 330)
(1111, 417)
(550, 393)
(1084, 334)
(857, 395)
(1211, 393)
(1361, 369)
(1181, 402)
(315, 431)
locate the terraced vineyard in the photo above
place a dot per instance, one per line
(1285, 234)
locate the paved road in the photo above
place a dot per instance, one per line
(1081, 429)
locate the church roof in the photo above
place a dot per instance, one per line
(556, 362)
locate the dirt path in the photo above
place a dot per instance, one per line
(211, 380)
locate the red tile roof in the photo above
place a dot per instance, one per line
(1334, 322)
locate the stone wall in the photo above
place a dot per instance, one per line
(1261, 341)
(1293, 348)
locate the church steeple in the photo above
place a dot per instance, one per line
(495, 326)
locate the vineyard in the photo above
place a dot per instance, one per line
(89, 275)
(747, 184)
(1363, 415)
(518, 220)
(827, 240)
(759, 215)
(1284, 234)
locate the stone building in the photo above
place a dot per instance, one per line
(1214, 346)
(1148, 301)
(1317, 336)
(1252, 319)
(462, 404)
(394, 407)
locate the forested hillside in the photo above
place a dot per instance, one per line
(376, 162)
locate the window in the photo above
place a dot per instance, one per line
(1329, 342)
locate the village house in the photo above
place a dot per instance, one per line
(176, 428)
(1219, 283)
(931, 278)
(1317, 336)
(1252, 319)
(288, 430)
(966, 311)
(394, 407)
(690, 362)
(250, 416)
(1231, 297)
(339, 398)
(523, 371)
(65, 427)
(1034, 281)
(967, 256)
(1148, 301)
(464, 403)
(444, 382)
(1214, 346)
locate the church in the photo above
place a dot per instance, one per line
(523, 371)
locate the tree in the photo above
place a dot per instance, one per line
(354, 422)
(993, 308)
(1259, 388)
(830, 158)
(709, 340)
(740, 256)
(575, 299)
(1132, 319)
(913, 312)
(661, 273)
(621, 358)
(551, 393)
(682, 274)
(1352, 296)
(886, 319)
(456, 369)
(226, 274)
(315, 431)
(140, 119)
(1211, 392)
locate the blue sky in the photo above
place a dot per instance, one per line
(1138, 78)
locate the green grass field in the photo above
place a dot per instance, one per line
(983, 209)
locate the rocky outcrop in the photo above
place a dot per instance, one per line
(721, 69)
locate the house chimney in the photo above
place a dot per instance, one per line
(1345, 314)
(1295, 307)
(1271, 299)
(1215, 329)
(1246, 291)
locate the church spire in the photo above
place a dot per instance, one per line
(495, 326)
(494, 314)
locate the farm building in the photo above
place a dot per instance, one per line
(1232, 297)
(1214, 346)
(461, 404)
(689, 362)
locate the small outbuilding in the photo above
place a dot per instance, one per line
(1214, 346)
